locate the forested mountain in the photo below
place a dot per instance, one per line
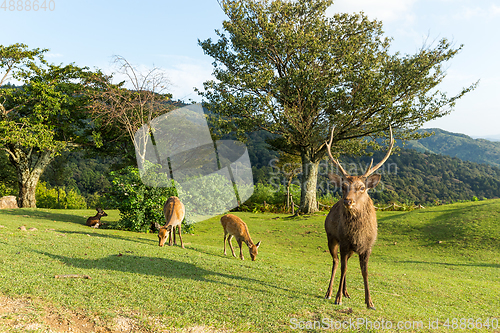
(429, 178)
(458, 145)
(408, 176)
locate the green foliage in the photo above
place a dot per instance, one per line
(287, 68)
(458, 145)
(408, 177)
(270, 198)
(88, 175)
(210, 194)
(58, 198)
(42, 117)
(140, 206)
(8, 179)
(429, 178)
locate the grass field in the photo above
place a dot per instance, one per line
(434, 269)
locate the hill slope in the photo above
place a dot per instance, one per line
(440, 262)
(458, 145)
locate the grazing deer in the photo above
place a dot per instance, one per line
(351, 223)
(234, 226)
(95, 221)
(174, 214)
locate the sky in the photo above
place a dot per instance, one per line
(165, 34)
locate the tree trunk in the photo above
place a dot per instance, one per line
(309, 180)
(27, 190)
(29, 167)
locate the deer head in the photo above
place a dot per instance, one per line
(163, 234)
(354, 188)
(253, 250)
(101, 212)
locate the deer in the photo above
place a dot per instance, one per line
(174, 212)
(235, 227)
(95, 221)
(351, 224)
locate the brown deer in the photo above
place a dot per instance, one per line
(351, 223)
(95, 221)
(174, 214)
(234, 226)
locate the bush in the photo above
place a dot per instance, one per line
(268, 198)
(139, 205)
(58, 198)
(6, 190)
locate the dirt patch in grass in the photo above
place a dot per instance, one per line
(26, 314)
(32, 315)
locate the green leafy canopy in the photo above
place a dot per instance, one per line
(287, 68)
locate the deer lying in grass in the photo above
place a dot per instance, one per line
(174, 214)
(95, 221)
(234, 226)
(351, 223)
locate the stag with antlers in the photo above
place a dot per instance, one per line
(351, 224)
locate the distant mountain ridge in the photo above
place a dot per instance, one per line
(458, 145)
(488, 137)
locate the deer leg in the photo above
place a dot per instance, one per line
(344, 256)
(231, 245)
(180, 237)
(241, 252)
(333, 246)
(363, 262)
(173, 233)
(344, 289)
(225, 235)
(170, 240)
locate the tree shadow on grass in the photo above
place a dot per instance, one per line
(484, 265)
(49, 216)
(134, 239)
(165, 267)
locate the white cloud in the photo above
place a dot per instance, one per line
(54, 55)
(182, 74)
(469, 12)
(185, 76)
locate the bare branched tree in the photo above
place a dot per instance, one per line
(133, 102)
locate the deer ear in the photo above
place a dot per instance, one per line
(157, 226)
(373, 180)
(257, 245)
(335, 179)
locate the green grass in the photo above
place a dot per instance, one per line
(434, 264)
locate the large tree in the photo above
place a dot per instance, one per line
(287, 68)
(40, 117)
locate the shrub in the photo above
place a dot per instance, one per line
(268, 198)
(6, 190)
(139, 205)
(58, 198)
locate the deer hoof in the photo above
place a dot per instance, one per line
(371, 307)
(327, 297)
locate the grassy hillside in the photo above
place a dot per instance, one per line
(434, 264)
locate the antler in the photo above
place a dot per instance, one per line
(371, 170)
(328, 149)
